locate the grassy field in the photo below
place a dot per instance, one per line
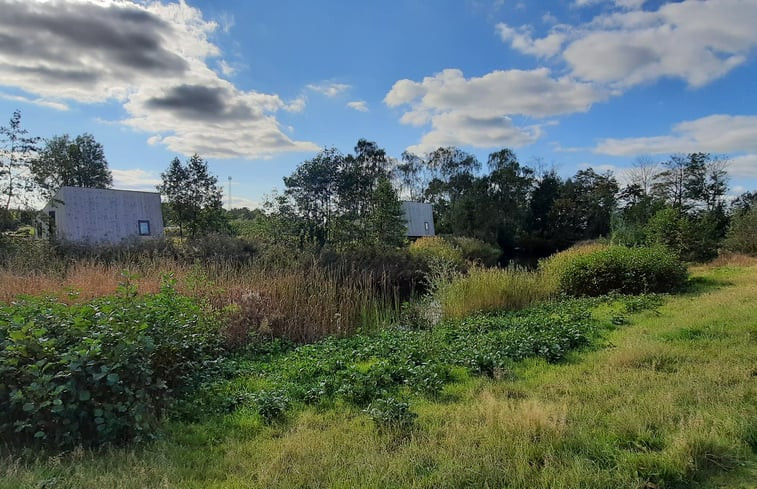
(668, 399)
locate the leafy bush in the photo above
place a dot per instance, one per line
(742, 234)
(477, 251)
(391, 414)
(103, 371)
(435, 251)
(617, 269)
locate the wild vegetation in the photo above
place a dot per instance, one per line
(309, 343)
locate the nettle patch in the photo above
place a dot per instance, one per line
(380, 372)
(104, 371)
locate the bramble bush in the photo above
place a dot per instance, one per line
(620, 269)
(99, 372)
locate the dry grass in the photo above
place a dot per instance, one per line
(301, 305)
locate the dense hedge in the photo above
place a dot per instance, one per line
(98, 372)
(622, 269)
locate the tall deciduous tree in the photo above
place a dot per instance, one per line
(16, 152)
(78, 162)
(194, 198)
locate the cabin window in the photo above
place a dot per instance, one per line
(51, 223)
(144, 228)
(425, 226)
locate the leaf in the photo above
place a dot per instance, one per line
(84, 395)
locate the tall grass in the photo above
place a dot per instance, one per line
(489, 289)
(299, 304)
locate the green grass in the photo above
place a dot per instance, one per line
(667, 401)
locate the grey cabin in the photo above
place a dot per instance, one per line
(102, 215)
(420, 219)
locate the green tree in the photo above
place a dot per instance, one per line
(194, 198)
(387, 221)
(16, 151)
(66, 162)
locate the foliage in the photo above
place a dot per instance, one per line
(492, 289)
(742, 235)
(476, 251)
(74, 163)
(98, 372)
(437, 252)
(365, 370)
(16, 152)
(194, 197)
(391, 414)
(618, 269)
(387, 220)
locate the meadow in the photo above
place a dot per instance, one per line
(611, 391)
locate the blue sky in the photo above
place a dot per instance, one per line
(258, 87)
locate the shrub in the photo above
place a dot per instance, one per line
(391, 414)
(742, 234)
(99, 372)
(477, 251)
(554, 267)
(436, 252)
(618, 269)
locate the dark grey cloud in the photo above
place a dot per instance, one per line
(127, 37)
(207, 103)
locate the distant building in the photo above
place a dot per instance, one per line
(102, 216)
(420, 219)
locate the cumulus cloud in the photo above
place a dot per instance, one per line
(359, 105)
(329, 89)
(151, 57)
(729, 134)
(715, 134)
(135, 179)
(521, 40)
(476, 111)
(697, 41)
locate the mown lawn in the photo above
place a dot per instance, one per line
(668, 400)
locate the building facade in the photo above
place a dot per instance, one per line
(420, 219)
(102, 216)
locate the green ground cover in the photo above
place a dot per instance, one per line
(607, 392)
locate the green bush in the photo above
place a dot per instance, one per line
(104, 371)
(618, 269)
(436, 252)
(742, 234)
(477, 251)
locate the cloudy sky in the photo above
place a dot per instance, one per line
(258, 86)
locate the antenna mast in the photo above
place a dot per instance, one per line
(229, 192)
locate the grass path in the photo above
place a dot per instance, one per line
(670, 400)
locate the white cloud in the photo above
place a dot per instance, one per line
(697, 41)
(744, 166)
(226, 68)
(520, 39)
(151, 57)
(329, 89)
(359, 105)
(135, 179)
(476, 111)
(714, 134)
(51, 104)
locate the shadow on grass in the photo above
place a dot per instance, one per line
(701, 285)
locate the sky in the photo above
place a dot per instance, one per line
(257, 87)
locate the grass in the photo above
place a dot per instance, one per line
(669, 402)
(302, 305)
(491, 289)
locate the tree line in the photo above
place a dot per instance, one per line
(349, 200)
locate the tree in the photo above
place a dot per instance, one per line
(73, 163)
(16, 151)
(194, 198)
(387, 221)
